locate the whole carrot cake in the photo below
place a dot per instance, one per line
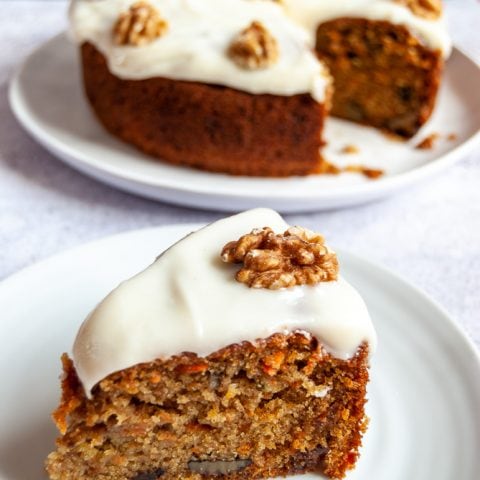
(244, 86)
(240, 352)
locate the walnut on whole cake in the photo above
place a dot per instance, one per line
(254, 48)
(350, 149)
(140, 25)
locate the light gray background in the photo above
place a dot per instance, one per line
(429, 234)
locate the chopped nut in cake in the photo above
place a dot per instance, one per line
(296, 257)
(254, 48)
(140, 25)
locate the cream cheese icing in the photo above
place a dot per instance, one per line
(200, 31)
(189, 301)
(194, 47)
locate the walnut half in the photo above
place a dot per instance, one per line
(296, 257)
(254, 48)
(140, 25)
(428, 9)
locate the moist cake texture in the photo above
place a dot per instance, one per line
(279, 407)
(383, 75)
(265, 376)
(243, 87)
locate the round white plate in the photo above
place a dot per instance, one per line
(424, 394)
(47, 97)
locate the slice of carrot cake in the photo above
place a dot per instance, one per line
(240, 352)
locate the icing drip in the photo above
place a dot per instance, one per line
(196, 44)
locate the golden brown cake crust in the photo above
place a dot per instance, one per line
(280, 406)
(209, 127)
(383, 75)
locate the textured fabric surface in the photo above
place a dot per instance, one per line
(429, 234)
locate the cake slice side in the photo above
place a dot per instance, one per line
(279, 406)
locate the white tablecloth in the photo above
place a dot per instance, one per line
(429, 234)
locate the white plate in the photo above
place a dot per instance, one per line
(424, 394)
(47, 97)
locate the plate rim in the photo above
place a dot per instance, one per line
(133, 182)
(17, 277)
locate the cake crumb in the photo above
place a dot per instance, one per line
(451, 137)
(368, 172)
(350, 149)
(428, 143)
(329, 168)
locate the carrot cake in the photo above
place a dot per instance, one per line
(244, 86)
(240, 352)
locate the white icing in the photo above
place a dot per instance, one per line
(200, 32)
(311, 13)
(194, 47)
(189, 301)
